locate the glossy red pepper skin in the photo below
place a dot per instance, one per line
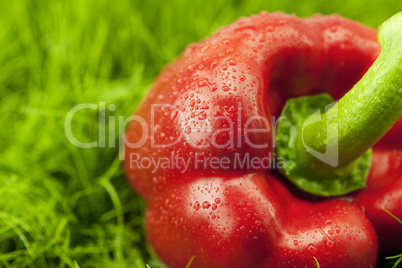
(256, 221)
(384, 191)
(249, 68)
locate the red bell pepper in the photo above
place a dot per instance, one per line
(196, 147)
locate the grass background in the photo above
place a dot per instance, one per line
(62, 206)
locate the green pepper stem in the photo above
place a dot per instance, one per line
(371, 107)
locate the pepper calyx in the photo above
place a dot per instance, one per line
(320, 175)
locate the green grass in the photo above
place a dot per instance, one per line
(62, 206)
